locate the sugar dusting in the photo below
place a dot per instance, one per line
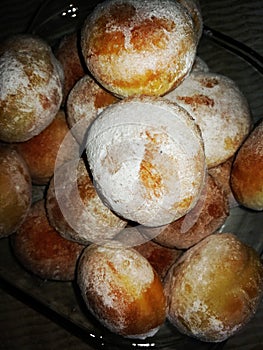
(117, 277)
(161, 46)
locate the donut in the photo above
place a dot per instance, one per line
(41, 250)
(221, 174)
(40, 151)
(147, 160)
(15, 190)
(85, 101)
(122, 290)
(247, 171)
(215, 288)
(31, 87)
(69, 55)
(78, 214)
(135, 47)
(208, 215)
(220, 110)
(161, 258)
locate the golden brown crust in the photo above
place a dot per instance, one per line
(221, 174)
(41, 250)
(32, 89)
(40, 152)
(122, 290)
(161, 258)
(204, 219)
(15, 190)
(134, 48)
(214, 289)
(69, 56)
(247, 171)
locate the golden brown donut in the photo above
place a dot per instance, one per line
(40, 151)
(221, 174)
(135, 47)
(247, 171)
(80, 215)
(161, 258)
(122, 290)
(31, 87)
(41, 250)
(208, 215)
(214, 289)
(15, 190)
(69, 55)
(220, 110)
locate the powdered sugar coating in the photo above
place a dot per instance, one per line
(31, 88)
(220, 110)
(135, 47)
(214, 288)
(147, 161)
(78, 214)
(85, 101)
(114, 281)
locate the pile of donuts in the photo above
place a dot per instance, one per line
(165, 149)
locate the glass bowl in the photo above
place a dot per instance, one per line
(61, 301)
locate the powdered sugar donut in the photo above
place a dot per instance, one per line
(215, 288)
(147, 160)
(220, 110)
(135, 47)
(85, 101)
(31, 87)
(122, 290)
(78, 214)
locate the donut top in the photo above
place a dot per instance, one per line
(139, 47)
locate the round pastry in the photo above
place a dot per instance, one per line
(122, 290)
(194, 10)
(247, 171)
(31, 87)
(219, 109)
(161, 258)
(15, 190)
(147, 160)
(221, 174)
(85, 101)
(76, 211)
(135, 47)
(208, 215)
(214, 289)
(69, 55)
(40, 151)
(41, 250)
